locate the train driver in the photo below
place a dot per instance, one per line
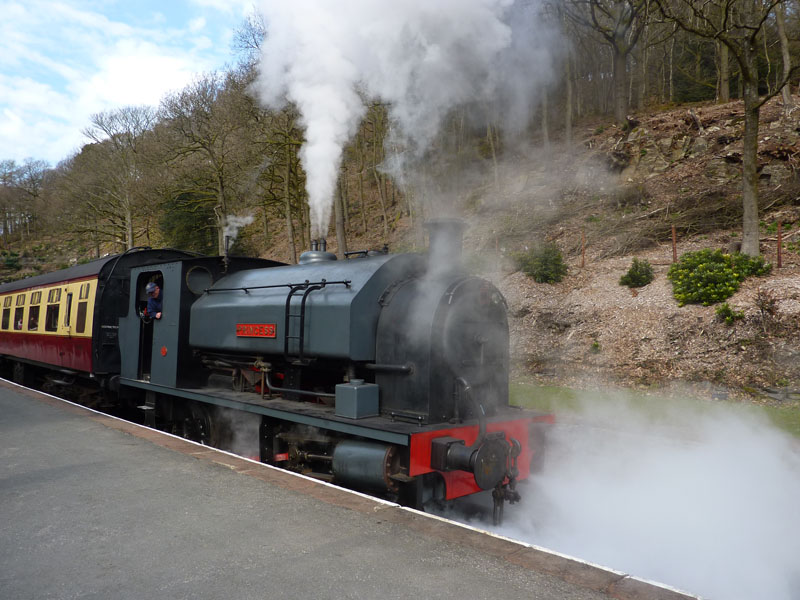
(154, 300)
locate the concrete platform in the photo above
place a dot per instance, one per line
(93, 507)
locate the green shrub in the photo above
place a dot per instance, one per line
(639, 275)
(710, 276)
(544, 263)
(728, 315)
(11, 262)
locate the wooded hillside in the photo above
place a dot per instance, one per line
(210, 162)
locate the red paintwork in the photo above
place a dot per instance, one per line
(461, 483)
(62, 351)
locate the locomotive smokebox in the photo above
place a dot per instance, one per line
(445, 238)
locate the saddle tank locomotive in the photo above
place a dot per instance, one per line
(384, 373)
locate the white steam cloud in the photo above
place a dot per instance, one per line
(708, 502)
(232, 226)
(423, 58)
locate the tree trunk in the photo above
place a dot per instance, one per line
(362, 200)
(265, 223)
(288, 206)
(378, 179)
(620, 89)
(568, 104)
(338, 210)
(642, 89)
(750, 245)
(490, 139)
(723, 77)
(222, 214)
(672, 70)
(786, 93)
(129, 243)
(545, 122)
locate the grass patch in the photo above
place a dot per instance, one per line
(786, 418)
(655, 407)
(546, 398)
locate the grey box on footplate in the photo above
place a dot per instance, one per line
(357, 400)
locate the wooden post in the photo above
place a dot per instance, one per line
(674, 245)
(780, 244)
(583, 248)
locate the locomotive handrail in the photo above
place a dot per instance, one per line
(407, 368)
(302, 286)
(308, 288)
(299, 392)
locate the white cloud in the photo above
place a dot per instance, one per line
(63, 60)
(240, 7)
(135, 73)
(197, 24)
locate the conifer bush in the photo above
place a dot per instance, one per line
(639, 275)
(544, 263)
(710, 276)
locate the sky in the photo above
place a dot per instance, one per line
(62, 61)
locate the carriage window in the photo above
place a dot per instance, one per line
(6, 316)
(51, 318)
(18, 315)
(33, 318)
(20, 299)
(7, 302)
(36, 297)
(80, 320)
(54, 296)
(84, 293)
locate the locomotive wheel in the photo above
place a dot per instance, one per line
(197, 426)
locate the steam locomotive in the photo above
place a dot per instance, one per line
(383, 373)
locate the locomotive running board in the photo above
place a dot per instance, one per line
(252, 403)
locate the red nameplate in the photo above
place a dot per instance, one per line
(266, 330)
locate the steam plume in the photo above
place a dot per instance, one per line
(423, 58)
(232, 226)
(706, 501)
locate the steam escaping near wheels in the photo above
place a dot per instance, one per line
(701, 497)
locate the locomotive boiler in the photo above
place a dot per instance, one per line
(384, 373)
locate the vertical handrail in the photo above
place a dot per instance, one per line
(288, 315)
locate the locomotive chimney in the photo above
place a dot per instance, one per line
(445, 238)
(318, 253)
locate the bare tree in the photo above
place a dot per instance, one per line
(203, 128)
(737, 24)
(30, 179)
(620, 23)
(120, 134)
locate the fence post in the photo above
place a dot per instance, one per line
(583, 248)
(674, 245)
